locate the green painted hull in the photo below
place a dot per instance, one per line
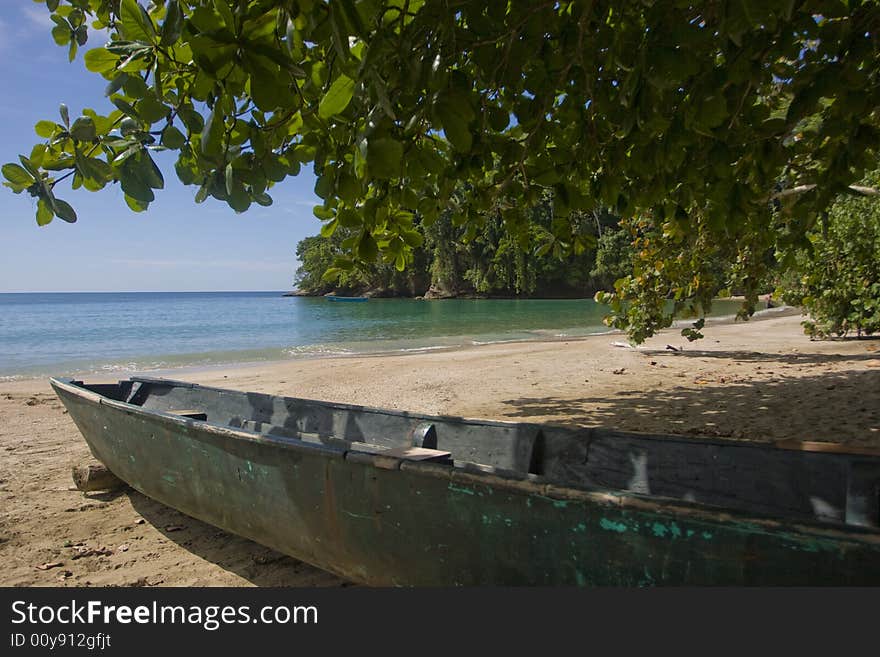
(384, 521)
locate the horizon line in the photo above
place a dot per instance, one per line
(130, 291)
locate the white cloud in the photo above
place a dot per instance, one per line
(295, 207)
(35, 22)
(38, 17)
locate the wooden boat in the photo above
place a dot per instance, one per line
(332, 298)
(392, 498)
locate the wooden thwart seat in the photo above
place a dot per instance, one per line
(404, 452)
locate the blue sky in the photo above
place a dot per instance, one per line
(175, 245)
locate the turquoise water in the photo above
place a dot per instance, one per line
(102, 332)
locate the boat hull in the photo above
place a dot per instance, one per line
(382, 521)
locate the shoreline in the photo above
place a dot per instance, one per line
(542, 336)
(759, 380)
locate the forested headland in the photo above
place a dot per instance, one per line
(489, 262)
(834, 275)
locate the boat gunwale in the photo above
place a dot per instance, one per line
(218, 429)
(468, 472)
(678, 439)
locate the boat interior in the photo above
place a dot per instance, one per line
(798, 483)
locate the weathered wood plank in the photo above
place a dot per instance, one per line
(93, 476)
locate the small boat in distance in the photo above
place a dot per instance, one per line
(334, 298)
(387, 497)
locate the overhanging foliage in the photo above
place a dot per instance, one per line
(686, 119)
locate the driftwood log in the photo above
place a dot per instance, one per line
(94, 475)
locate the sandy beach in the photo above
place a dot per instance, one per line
(761, 380)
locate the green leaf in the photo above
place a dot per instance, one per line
(149, 172)
(136, 188)
(100, 60)
(81, 34)
(455, 113)
(348, 188)
(413, 238)
(353, 18)
(115, 84)
(29, 166)
(135, 205)
(499, 119)
(261, 28)
(239, 200)
(713, 111)
(367, 248)
(191, 119)
(45, 129)
(275, 170)
(95, 172)
(268, 91)
(173, 24)
(65, 116)
(103, 124)
(322, 186)
(215, 57)
(349, 218)
(57, 163)
(44, 212)
(384, 157)
(331, 274)
(186, 170)
(19, 179)
(431, 160)
(38, 154)
(222, 7)
(337, 98)
(322, 213)
(340, 35)
(63, 210)
(135, 87)
(151, 110)
(129, 127)
(62, 35)
(173, 138)
(83, 129)
(329, 228)
(125, 107)
(212, 134)
(136, 23)
(132, 182)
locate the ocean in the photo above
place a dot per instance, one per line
(81, 333)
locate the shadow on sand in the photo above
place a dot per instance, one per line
(779, 408)
(257, 564)
(764, 357)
